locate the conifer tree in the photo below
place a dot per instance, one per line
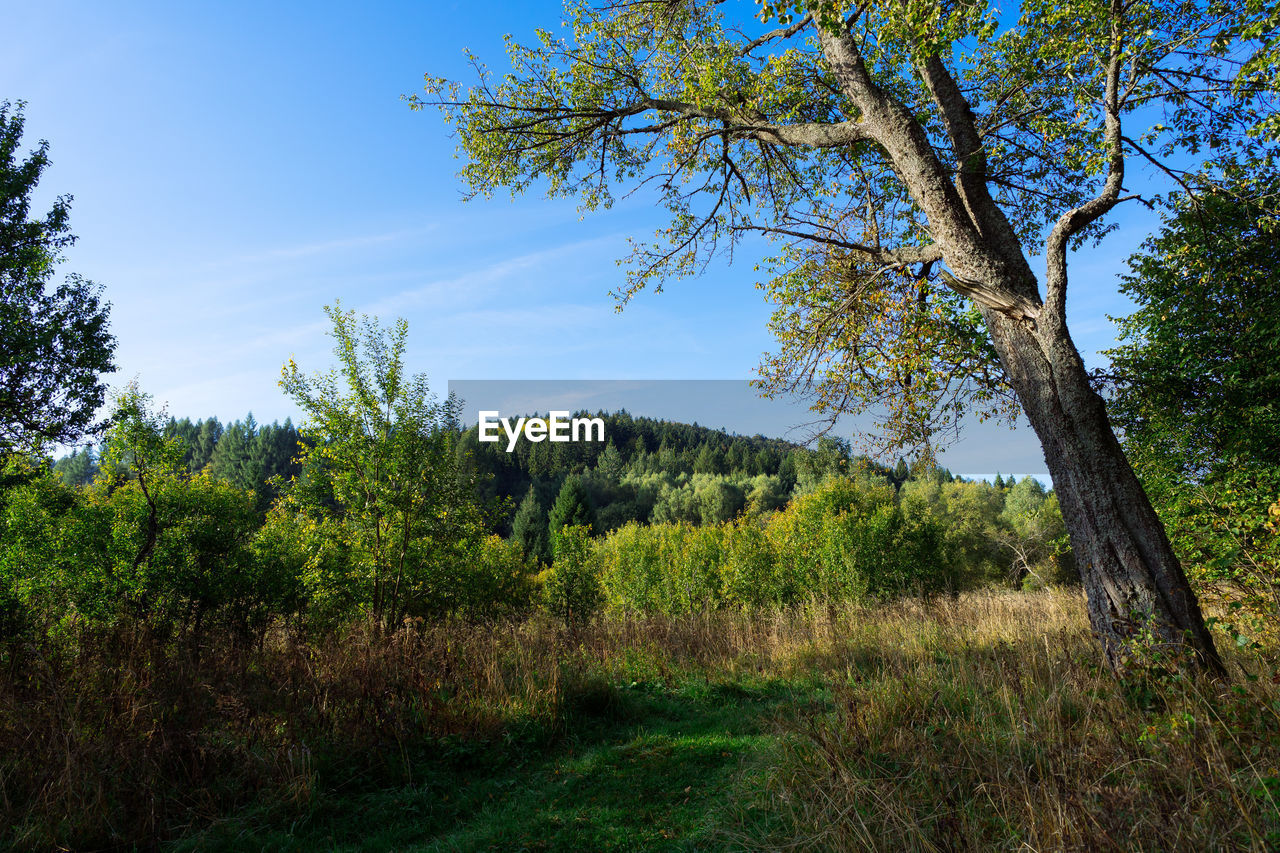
(572, 508)
(530, 527)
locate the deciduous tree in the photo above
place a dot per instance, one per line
(54, 343)
(382, 487)
(1197, 381)
(912, 155)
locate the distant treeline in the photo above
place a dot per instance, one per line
(649, 470)
(646, 469)
(244, 453)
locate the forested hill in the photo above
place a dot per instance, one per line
(646, 470)
(633, 446)
(650, 470)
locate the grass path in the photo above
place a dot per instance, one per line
(644, 767)
(987, 722)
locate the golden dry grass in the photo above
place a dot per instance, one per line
(982, 722)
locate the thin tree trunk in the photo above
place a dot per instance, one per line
(1131, 576)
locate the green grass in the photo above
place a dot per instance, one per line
(987, 722)
(638, 766)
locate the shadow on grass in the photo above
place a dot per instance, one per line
(629, 767)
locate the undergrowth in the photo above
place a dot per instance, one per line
(983, 722)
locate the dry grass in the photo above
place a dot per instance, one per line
(985, 722)
(989, 723)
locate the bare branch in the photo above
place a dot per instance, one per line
(781, 33)
(1080, 217)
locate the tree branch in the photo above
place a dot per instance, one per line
(1079, 218)
(780, 33)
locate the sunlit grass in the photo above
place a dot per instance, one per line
(983, 722)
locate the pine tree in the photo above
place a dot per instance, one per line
(572, 508)
(530, 527)
(205, 442)
(610, 464)
(232, 457)
(710, 460)
(77, 469)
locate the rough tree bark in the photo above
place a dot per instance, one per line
(1131, 576)
(1134, 582)
(536, 127)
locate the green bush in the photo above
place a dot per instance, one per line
(500, 577)
(848, 539)
(571, 587)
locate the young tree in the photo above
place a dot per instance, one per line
(382, 485)
(54, 343)
(913, 155)
(530, 528)
(572, 509)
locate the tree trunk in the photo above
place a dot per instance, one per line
(1139, 600)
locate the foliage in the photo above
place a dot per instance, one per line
(914, 355)
(530, 528)
(1037, 537)
(572, 508)
(849, 540)
(840, 133)
(54, 343)
(77, 468)
(144, 541)
(571, 587)
(1197, 380)
(383, 492)
(625, 476)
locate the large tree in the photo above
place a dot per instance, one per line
(1197, 381)
(54, 342)
(910, 155)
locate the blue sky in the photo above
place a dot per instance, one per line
(236, 166)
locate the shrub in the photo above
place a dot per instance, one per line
(848, 539)
(571, 588)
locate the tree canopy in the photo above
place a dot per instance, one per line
(1196, 381)
(54, 340)
(381, 487)
(1197, 372)
(909, 157)
(873, 141)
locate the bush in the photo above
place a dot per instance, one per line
(571, 588)
(848, 539)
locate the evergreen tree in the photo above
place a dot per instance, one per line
(710, 460)
(572, 507)
(530, 527)
(232, 457)
(610, 464)
(77, 469)
(204, 443)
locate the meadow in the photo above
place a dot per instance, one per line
(983, 721)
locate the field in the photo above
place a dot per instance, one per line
(981, 722)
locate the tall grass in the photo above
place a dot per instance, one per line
(981, 722)
(990, 723)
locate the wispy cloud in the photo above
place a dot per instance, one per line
(502, 277)
(339, 244)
